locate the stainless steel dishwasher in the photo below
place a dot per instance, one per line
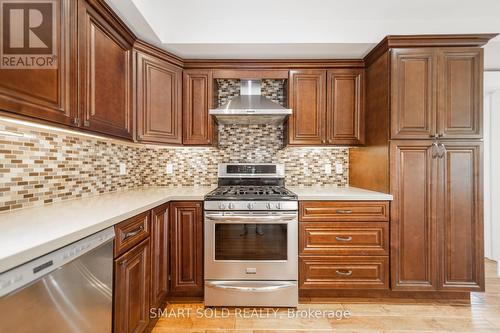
(68, 290)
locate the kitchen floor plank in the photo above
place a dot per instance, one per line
(482, 314)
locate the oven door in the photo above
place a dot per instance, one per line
(251, 246)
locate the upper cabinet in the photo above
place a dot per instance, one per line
(159, 100)
(345, 106)
(105, 64)
(436, 93)
(460, 92)
(327, 107)
(198, 126)
(48, 94)
(412, 102)
(307, 98)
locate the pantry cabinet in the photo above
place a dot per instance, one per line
(436, 220)
(436, 93)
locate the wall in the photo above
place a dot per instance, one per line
(44, 165)
(492, 161)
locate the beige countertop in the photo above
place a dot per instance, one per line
(28, 233)
(337, 193)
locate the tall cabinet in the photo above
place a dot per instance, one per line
(428, 102)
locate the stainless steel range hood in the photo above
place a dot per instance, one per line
(250, 107)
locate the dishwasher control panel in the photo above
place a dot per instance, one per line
(26, 273)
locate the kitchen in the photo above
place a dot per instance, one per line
(144, 189)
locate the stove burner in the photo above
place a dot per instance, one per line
(251, 192)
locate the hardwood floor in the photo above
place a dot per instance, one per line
(482, 314)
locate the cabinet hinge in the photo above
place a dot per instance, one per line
(76, 121)
(169, 278)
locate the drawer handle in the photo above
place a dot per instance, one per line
(133, 233)
(344, 211)
(343, 273)
(343, 239)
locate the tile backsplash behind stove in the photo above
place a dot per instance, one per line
(46, 166)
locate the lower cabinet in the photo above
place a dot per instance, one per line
(343, 245)
(436, 218)
(159, 255)
(132, 289)
(186, 230)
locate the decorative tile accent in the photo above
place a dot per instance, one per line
(48, 166)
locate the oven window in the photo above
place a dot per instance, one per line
(250, 241)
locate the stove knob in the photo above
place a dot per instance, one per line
(269, 205)
(278, 205)
(251, 205)
(231, 205)
(222, 206)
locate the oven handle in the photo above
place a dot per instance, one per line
(264, 289)
(251, 218)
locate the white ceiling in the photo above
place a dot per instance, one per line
(301, 28)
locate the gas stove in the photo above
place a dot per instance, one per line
(251, 187)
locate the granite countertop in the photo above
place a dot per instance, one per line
(28, 233)
(337, 193)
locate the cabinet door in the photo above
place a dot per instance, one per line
(413, 215)
(413, 111)
(159, 100)
(345, 109)
(461, 217)
(460, 93)
(186, 248)
(159, 255)
(105, 58)
(47, 94)
(307, 124)
(197, 99)
(132, 291)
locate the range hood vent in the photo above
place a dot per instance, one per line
(250, 108)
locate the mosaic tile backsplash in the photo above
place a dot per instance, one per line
(45, 166)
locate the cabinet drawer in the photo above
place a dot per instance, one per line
(325, 211)
(338, 238)
(343, 272)
(131, 232)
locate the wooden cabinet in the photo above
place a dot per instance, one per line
(48, 94)
(436, 218)
(186, 230)
(460, 219)
(159, 100)
(343, 245)
(413, 216)
(307, 99)
(436, 92)
(159, 254)
(197, 93)
(460, 93)
(413, 110)
(343, 273)
(345, 107)
(327, 107)
(131, 231)
(105, 74)
(132, 289)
